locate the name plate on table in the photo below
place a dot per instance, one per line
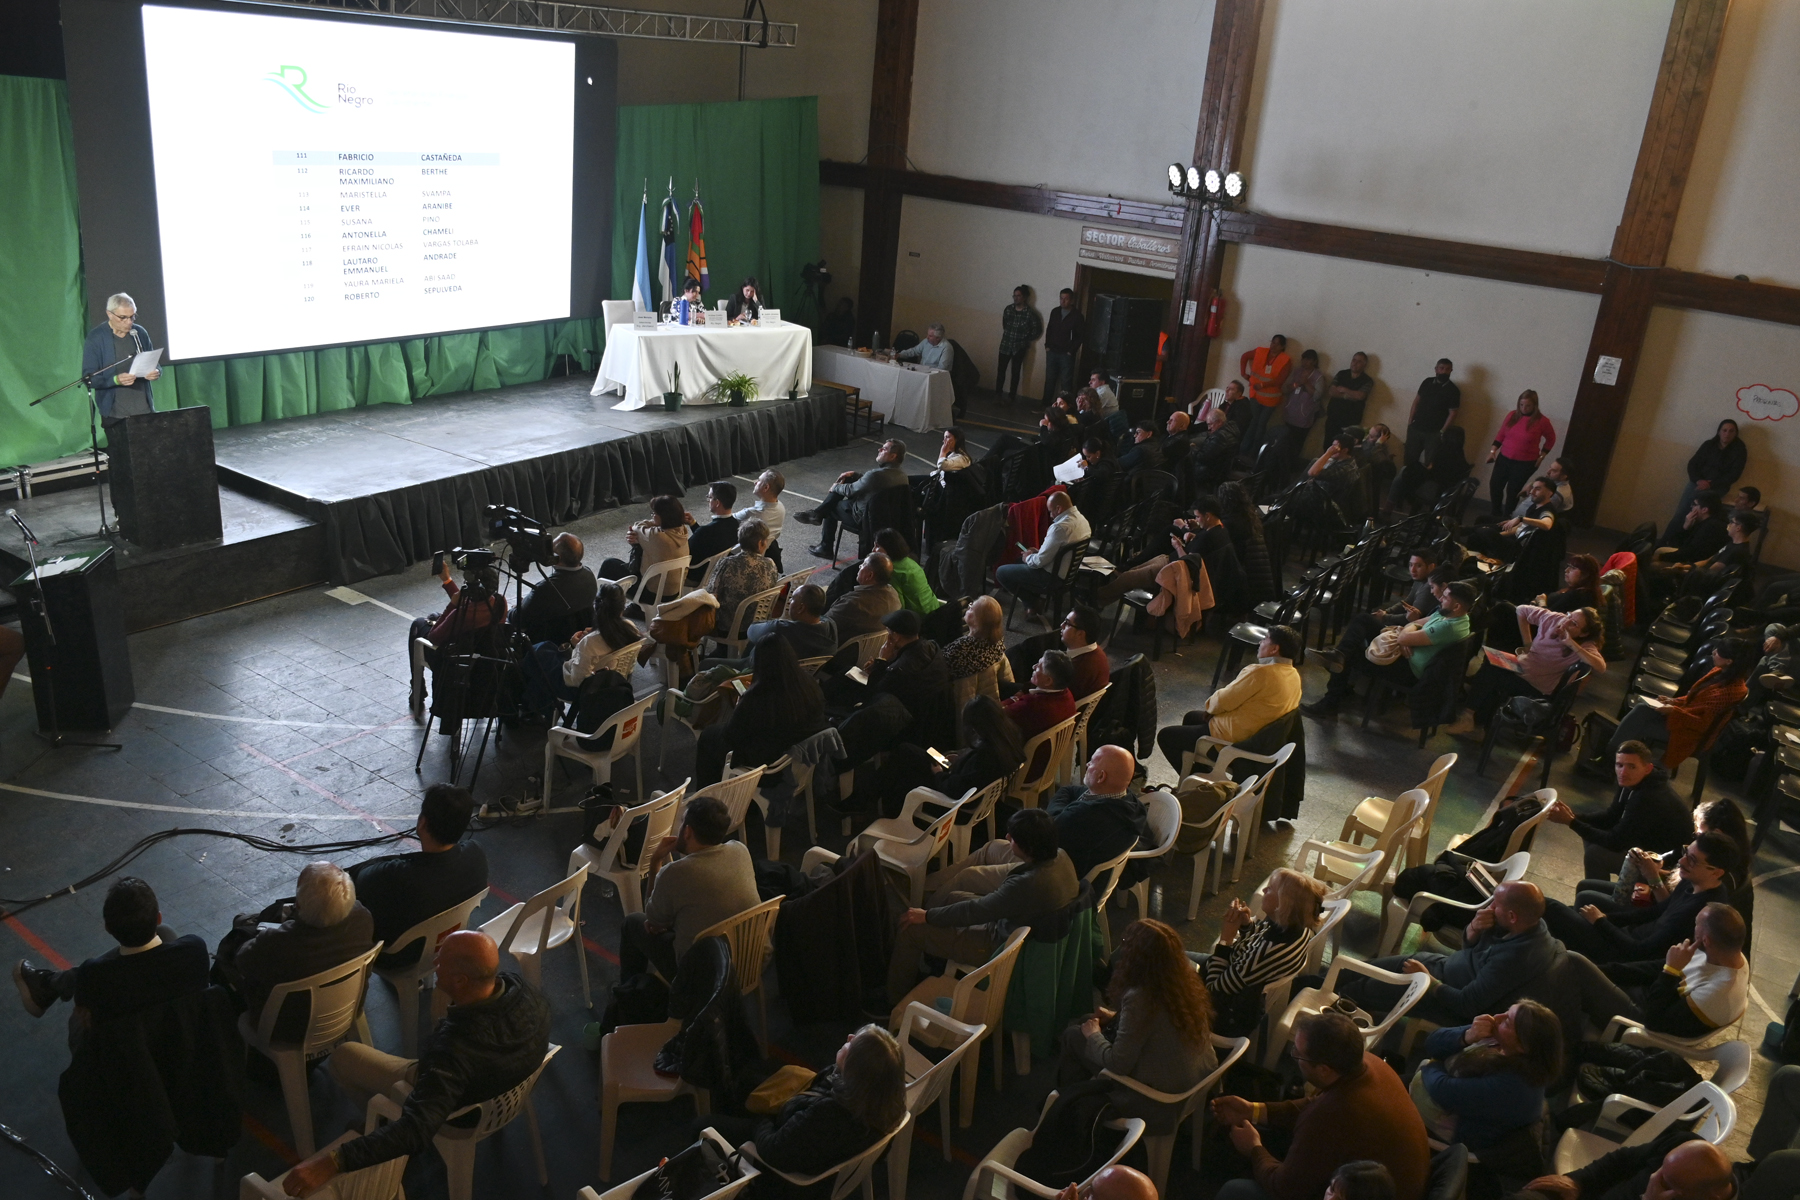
(771, 316)
(642, 321)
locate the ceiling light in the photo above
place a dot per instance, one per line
(1212, 182)
(1175, 177)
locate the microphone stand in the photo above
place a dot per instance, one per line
(87, 381)
(36, 600)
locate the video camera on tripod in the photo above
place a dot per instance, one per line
(526, 536)
(464, 560)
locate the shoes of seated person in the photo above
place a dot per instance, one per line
(821, 552)
(1322, 708)
(1463, 726)
(808, 516)
(1333, 659)
(1775, 683)
(34, 987)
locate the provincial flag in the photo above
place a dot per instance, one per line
(640, 278)
(696, 255)
(666, 268)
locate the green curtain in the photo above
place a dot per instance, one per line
(41, 318)
(757, 163)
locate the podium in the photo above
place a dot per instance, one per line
(164, 486)
(89, 661)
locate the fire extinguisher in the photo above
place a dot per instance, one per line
(1215, 315)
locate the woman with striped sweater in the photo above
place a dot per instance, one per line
(1253, 953)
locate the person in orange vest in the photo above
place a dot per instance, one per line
(1266, 369)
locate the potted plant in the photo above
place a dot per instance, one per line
(740, 387)
(672, 399)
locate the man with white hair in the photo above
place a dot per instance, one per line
(934, 351)
(321, 927)
(118, 393)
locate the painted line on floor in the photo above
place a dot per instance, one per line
(271, 1140)
(36, 943)
(176, 808)
(352, 596)
(206, 716)
(1775, 874)
(303, 781)
(353, 737)
(1764, 1005)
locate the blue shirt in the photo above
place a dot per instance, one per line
(939, 356)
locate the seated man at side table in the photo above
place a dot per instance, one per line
(400, 890)
(711, 880)
(320, 928)
(558, 605)
(493, 1037)
(1359, 1110)
(934, 351)
(1445, 627)
(849, 499)
(1031, 580)
(968, 925)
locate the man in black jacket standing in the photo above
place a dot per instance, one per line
(492, 1039)
(1062, 342)
(1637, 934)
(1646, 814)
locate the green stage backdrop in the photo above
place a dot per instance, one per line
(757, 163)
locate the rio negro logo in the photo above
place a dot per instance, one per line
(292, 80)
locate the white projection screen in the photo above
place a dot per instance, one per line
(327, 182)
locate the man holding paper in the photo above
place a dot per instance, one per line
(122, 391)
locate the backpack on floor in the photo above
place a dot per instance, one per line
(1597, 731)
(1072, 1141)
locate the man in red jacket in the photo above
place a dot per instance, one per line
(1049, 702)
(1081, 642)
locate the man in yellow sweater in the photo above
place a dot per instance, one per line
(1263, 691)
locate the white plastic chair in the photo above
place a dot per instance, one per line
(549, 919)
(624, 660)
(456, 1143)
(617, 312)
(1078, 746)
(866, 645)
(1108, 872)
(607, 861)
(1159, 1148)
(1164, 824)
(1402, 915)
(751, 936)
(1311, 1000)
(771, 833)
(1408, 810)
(335, 1013)
(996, 1178)
(979, 808)
(1238, 814)
(1371, 816)
(628, 1189)
(1730, 1059)
(1717, 1116)
(628, 1075)
(1045, 757)
(379, 1182)
(421, 976)
(735, 643)
(848, 1176)
(736, 791)
(1545, 798)
(1277, 994)
(1219, 769)
(661, 581)
(974, 1004)
(927, 1083)
(709, 566)
(902, 845)
(627, 726)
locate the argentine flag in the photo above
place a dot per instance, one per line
(640, 279)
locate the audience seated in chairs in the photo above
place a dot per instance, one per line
(556, 606)
(1143, 452)
(719, 534)
(1502, 541)
(1252, 952)
(974, 905)
(783, 705)
(744, 572)
(1210, 458)
(1637, 934)
(909, 577)
(320, 927)
(492, 1039)
(1202, 538)
(995, 751)
(1714, 467)
(804, 626)
(1701, 534)
(1359, 1110)
(1580, 586)
(860, 610)
(1416, 646)
(1705, 576)
(767, 506)
(1264, 691)
(698, 877)
(1340, 472)
(1099, 818)
(470, 625)
(656, 539)
(906, 698)
(985, 642)
(1679, 727)
(1557, 641)
(851, 495)
(400, 890)
(1079, 637)
(1031, 580)
(1158, 1030)
(1048, 702)
(1482, 1084)
(1238, 512)
(1419, 602)
(1699, 986)
(1645, 814)
(556, 672)
(1679, 1165)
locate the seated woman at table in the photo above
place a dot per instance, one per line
(1556, 641)
(690, 309)
(746, 304)
(663, 536)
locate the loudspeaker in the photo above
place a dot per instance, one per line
(1138, 398)
(86, 666)
(1123, 331)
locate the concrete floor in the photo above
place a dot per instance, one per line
(287, 718)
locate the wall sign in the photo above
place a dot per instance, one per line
(1760, 402)
(1129, 247)
(1606, 371)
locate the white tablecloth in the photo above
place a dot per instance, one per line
(642, 364)
(909, 395)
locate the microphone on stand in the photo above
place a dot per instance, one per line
(23, 528)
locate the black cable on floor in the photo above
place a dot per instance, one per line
(18, 1142)
(12, 907)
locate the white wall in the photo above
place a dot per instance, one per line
(1507, 122)
(1503, 337)
(1738, 211)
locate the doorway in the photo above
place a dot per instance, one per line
(1098, 281)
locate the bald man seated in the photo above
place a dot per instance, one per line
(1099, 818)
(1113, 1183)
(1506, 947)
(491, 1040)
(558, 605)
(1679, 1165)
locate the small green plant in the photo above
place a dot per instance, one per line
(737, 387)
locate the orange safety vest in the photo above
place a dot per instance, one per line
(1266, 377)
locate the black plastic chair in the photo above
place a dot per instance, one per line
(1543, 719)
(1062, 571)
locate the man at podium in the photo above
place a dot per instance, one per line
(119, 394)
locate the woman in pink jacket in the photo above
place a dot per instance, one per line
(1525, 437)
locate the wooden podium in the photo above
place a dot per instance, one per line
(164, 487)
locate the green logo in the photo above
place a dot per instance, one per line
(292, 80)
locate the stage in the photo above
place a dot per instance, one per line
(344, 496)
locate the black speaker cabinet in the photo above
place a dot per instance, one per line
(164, 485)
(1124, 332)
(85, 665)
(1138, 398)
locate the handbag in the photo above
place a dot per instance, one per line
(769, 1095)
(699, 1171)
(1385, 647)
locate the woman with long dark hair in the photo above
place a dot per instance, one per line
(1484, 1081)
(1715, 466)
(1160, 1023)
(1681, 724)
(658, 538)
(1580, 585)
(745, 303)
(995, 751)
(553, 671)
(782, 705)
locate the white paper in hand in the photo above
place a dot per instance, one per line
(145, 362)
(1070, 472)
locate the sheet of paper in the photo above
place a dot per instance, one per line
(145, 362)
(1071, 471)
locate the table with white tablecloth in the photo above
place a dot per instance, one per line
(907, 394)
(641, 362)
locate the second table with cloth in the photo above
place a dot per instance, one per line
(909, 395)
